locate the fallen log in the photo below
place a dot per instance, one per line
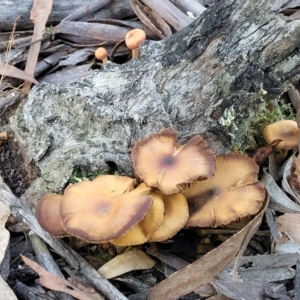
(209, 78)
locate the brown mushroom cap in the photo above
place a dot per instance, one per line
(101, 54)
(103, 209)
(134, 38)
(160, 162)
(234, 192)
(47, 214)
(285, 130)
(176, 214)
(141, 232)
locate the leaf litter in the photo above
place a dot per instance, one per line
(188, 274)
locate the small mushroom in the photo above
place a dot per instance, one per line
(103, 209)
(162, 163)
(133, 39)
(47, 214)
(234, 192)
(101, 54)
(141, 232)
(285, 130)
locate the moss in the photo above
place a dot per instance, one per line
(267, 114)
(81, 175)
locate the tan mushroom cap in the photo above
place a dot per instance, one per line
(285, 130)
(234, 192)
(103, 209)
(101, 54)
(160, 162)
(141, 232)
(47, 214)
(133, 39)
(175, 217)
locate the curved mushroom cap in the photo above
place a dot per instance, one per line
(103, 209)
(234, 192)
(47, 214)
(134, 38)
(141, 232)
(160, 162)
(175, 217)
(285, 130)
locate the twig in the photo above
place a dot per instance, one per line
(46, 260)
(86, 10)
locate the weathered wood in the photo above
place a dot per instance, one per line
(61, 8)
(210, 79)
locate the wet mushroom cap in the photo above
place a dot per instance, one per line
(160, 162)
(141, 232)
(103, 209)
(234, 192)
(285, 130)
(47, 214)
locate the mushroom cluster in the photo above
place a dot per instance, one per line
(179, 185)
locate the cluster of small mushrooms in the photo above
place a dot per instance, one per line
(179, 185)
(133, 39)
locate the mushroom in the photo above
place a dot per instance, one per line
(101, 54)
(285, 130)
(133, 39)
(176, 214)
(103, 209)
(141, 232)
(234, 192)
(47, 214)
(162, 163)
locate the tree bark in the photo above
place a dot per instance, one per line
(209, 78)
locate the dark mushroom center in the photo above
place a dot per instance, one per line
(168, 160)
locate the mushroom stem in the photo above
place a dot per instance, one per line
(134, 53)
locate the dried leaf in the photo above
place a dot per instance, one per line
(151, 19)
(40, 12)
(206, 268)
(241, 290)
(11, 71)
(6, 292)
(278, 199)
(286, 245)
(293, 177)
(263, 152)
(56, 283)
(290, 223)
(286, 179)
(126, 262)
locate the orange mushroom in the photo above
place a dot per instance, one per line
(103, 209)
(141, 232)
(133, 39)
(47, 214)
(160, 162)
(285, 130)
(234, 192)
(101, 54)
(176, 214)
